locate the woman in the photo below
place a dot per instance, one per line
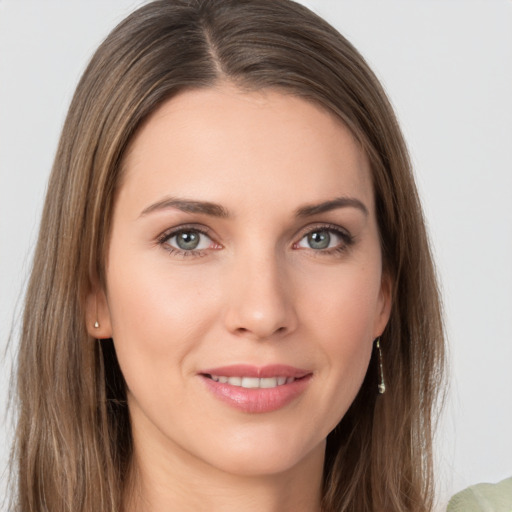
(232, 291)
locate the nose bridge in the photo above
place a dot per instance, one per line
(260, 304)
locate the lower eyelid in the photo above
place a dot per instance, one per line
(185, 254)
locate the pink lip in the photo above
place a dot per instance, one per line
(257, 400)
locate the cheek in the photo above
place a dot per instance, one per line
(344, 302)
(341, 319)
(155, 316)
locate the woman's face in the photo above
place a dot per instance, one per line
(244, 280)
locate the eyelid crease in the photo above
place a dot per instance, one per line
(323, 226)
(170, 232)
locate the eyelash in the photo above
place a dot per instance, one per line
(164, 238)
(346, 237)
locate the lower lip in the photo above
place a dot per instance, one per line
(257, 400)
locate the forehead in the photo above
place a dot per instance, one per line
(221, 143)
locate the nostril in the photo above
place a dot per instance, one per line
(245, 331)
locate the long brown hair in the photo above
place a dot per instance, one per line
(73, 444)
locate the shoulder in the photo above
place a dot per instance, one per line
(483, 498)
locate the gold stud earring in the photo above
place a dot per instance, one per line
(382, 384)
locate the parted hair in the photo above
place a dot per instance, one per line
(73, 445)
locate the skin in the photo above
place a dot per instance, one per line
(256, 292)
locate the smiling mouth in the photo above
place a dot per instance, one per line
(253, 389)
(253, 382)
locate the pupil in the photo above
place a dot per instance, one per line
(319, 240)
(187, 240)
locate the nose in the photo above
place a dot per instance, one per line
(260, 305)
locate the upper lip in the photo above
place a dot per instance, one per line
(246, 370)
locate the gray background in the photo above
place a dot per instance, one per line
(447, 66)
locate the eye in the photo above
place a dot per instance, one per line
(318, 239)
(324, 239)
(187, 241)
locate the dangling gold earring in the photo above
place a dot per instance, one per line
(382, 384)
(96, 324)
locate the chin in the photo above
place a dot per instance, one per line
(270, 455)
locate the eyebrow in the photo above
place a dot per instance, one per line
(216, 210)
(189, 206)
(339, 202)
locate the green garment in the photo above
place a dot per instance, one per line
(483, 498)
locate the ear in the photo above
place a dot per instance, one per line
(383, 310)
(97, 314)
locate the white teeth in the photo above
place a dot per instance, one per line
(253, 382)
(250, 382)
(270, 382)
(235, 381)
